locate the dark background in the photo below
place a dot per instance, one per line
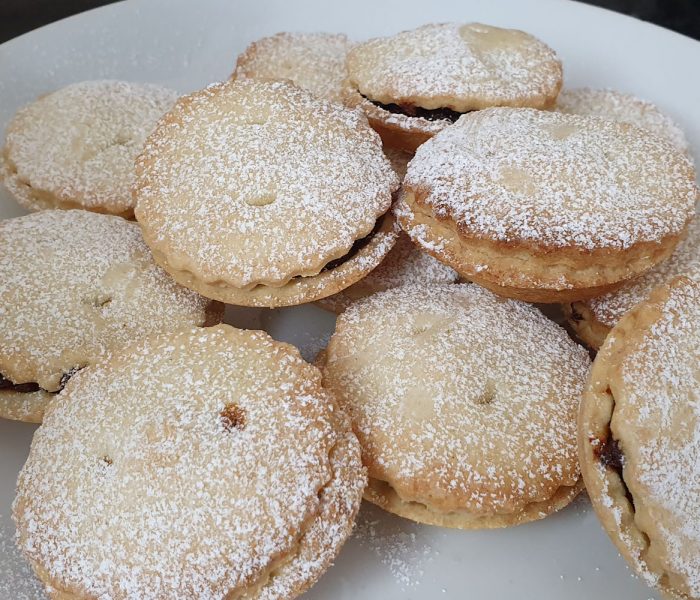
(20, 16)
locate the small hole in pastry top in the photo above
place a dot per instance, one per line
(488, 395)
(260, 200)
(422, 328)
(101, 300)
(233, 417)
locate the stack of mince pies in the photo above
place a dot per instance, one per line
(434, 188)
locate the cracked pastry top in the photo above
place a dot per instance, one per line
(248, 190)
(75, 147)
(415, 83)
(464, 404)
(74, 286)
(638, 438)
(547, 207)
(221, 442)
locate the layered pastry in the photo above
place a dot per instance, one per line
(313, 61)
(593, 319)
(547, 207)
(464, 403)
(405, 264)
(638, 438)
(257, 193)
(75, 147)
(74, 287)
(221, 442)
(414, 84)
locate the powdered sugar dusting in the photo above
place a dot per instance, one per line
(77, 145)
(396, 546)
(656, 421)
(136, 451)
(75, 285)
(253, 182)
(463, 67)
(609, 308)
(313, 61)
(16, 578)
(522, 175)
(460, 399)
(405, 263)
(615, 510)
(610, 104)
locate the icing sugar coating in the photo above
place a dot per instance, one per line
(219, 441)
(404, 264)
(554, 180)
(656, 420)
(75, 147)
(313, 61)
(462, 67)
(76, 285)
(461, 400)
(255, 182)
(608, 309)
(617, 106)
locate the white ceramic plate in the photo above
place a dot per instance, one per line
(187, 44)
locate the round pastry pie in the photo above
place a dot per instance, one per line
(74, 287)
(257, 193)
(75, 147)
(547, 207)
(593, 319)
(203, 463)
(638, 438)
(616, 106)
(414, 84)
(404, 264)
(464, 404)
(313, 61)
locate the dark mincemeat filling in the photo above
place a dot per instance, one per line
(356, 247)
(24, 388)
(31, 386)
(410, 110)
(609, 454)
